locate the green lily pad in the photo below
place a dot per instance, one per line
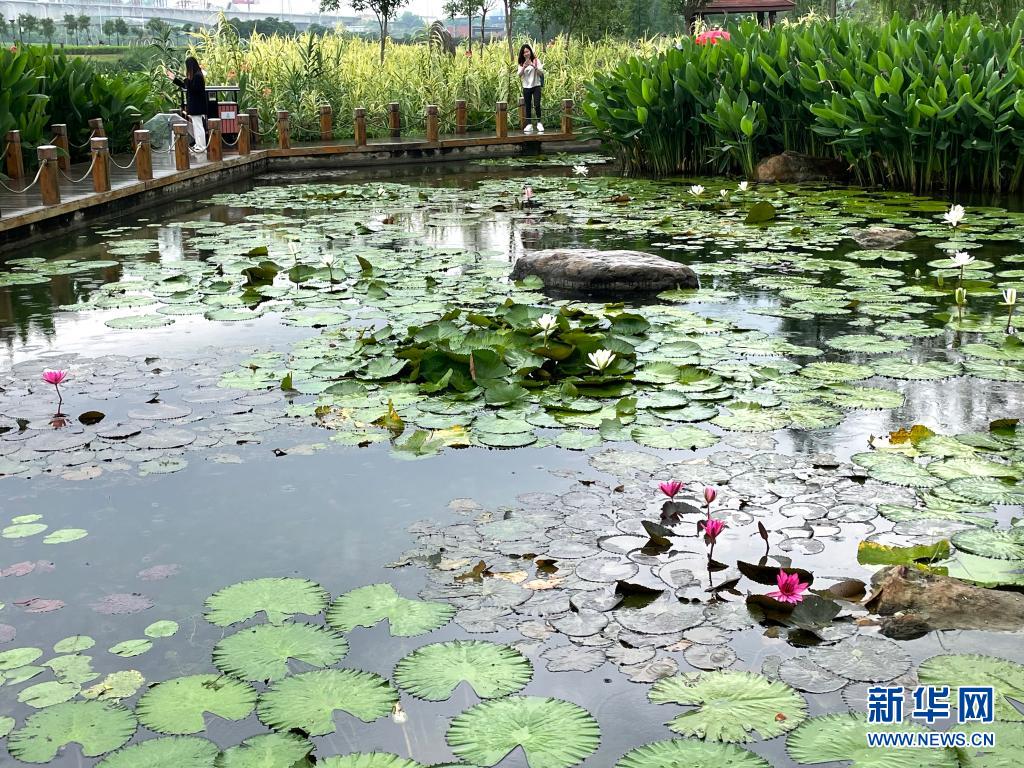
(269, 750)
(278, 598)
(433, 672)
(553, 733)
(99, 727)
(674, 753)
(164, 628)
(178, 706)
(730, 705)
(47, 694)
(896, 469)
(905, 369)
(843, 738)
(955, 670)
(987, 490)
(836, 373)
(19, 657)
(366, 606)
(129, 648)
(370, 760)
(263, 652)
(165, 752)
(65, 535)
(74, 644)
(308, 701)
(1002, 545)
(1009, 740)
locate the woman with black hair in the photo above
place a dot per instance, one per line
(194, 85)
(531, 74)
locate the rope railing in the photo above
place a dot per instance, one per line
(130, 162)
(26, 189)
(84, 176)
(92, 135)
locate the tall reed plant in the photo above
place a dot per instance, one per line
(917, 105)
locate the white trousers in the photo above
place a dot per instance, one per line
(198, 132)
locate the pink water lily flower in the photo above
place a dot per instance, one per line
(55, 377)
(790, 589)
(710, 494)
(712, 529)
(671, 488)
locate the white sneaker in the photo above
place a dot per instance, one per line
(540, 127)
(528, 128)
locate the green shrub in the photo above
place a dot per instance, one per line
(916, 105)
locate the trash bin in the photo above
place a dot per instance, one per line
(226, 109)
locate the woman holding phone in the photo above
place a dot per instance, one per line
(531, 74)
(194, 85)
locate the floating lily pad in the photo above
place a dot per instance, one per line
(308, 701)
(277, 598)
(134, 322)
(1002, 545)
(988, 490)
(263, 652)
(165, 752)
(270, 750)
(691, 753)
(553, 733)
(99, 727)
(434, 671)
(865, 659)
(370, 760)
(164, 628)
(178, 706)
(366, 606)
(65, 535)
(955, 670)
(843, 737)
(730, 705)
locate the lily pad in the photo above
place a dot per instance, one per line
(955, 670)
(278, 598)
(691, 753)
(263, 652)
(166, 752)
(99, 727)
(433, 672)
(860, 658)
(366, 606)
(730, 705)
(178, 706)
(307, 701)
(552, 732)
(269, 750)
(1002, 545)
(843, 738)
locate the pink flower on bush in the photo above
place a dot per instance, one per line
(671, 488)
(790, 589)
(713, 36)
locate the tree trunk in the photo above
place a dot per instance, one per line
(483, 21)
(508, 29)
(469, 21)
(383, 22)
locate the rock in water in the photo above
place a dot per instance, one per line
(879, 237)
(793, 168)
(587, 270)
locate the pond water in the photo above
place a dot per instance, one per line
(331, 381)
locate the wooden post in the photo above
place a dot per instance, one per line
(143, 156)
(394, 120)
(96, 126)
(359, 117)
(214, 148)
(284, 139)
(101, 164)
(432, 131)
(15, 161)
(501, 119)
(60, 140)
(522, 112)
(326, 122)
(460, 117)
(567, 106)
(254, 127)
(49, 188)
(181, 159)
(244, 135)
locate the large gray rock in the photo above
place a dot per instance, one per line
(794, 168)
(879, 237)
(587, 270)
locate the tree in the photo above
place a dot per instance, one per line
(47, 28)
(27, 23)
(384, 10)
(466, 8)
(109, 28)
(83, 26)
(510, 9)
(485, 7)
(120, 29)
(70, 26)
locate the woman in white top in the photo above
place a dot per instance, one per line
(531, 73)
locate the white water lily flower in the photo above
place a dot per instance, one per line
(328, 261)
(961, 259)
(600, 359)
(744, 186)
(724, 193)
(954, 215)
(696, 190)
(1009, 297)
(381, 192)
(398, 714)
(547, 323)
(960, 296)
(581, 170)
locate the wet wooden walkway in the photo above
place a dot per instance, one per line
(20, 209)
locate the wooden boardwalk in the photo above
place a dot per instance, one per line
(25, 209)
